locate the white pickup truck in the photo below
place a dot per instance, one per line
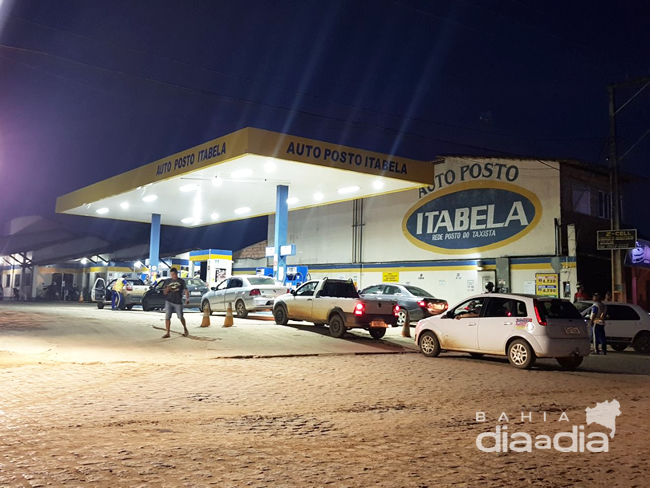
(336, 303)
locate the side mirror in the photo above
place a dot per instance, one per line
(293, 292)
(213, 288)
(448, 315)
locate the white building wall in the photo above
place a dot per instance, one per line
(321, 234)
(447, 256)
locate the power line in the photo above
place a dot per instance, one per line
(232, 99)
(634, 145)
(296, 92)
(245, 101)
(56, 75)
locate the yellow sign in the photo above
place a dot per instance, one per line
(293, 148)
(252, 141)
(390, 277)
(547, 284)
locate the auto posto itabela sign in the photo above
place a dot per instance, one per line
(472, 217)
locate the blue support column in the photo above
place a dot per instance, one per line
(281, 225)
(154, 245)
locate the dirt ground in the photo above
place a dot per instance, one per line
(392, 420)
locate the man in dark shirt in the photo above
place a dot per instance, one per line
(175, 290)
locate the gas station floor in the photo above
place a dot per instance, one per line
(71, 332)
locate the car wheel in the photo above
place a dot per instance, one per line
(642, 343)
(476, 354)
(521, 355)
(337, 326)
(206, 306)
(129, 307)
(619, 346)
(240, 309)
(403, 317)
(429, 344)
(377, 332)
(145, 305)
(280, 315)
(100, 305)
(570, 362)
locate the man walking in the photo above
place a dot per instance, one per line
(598, 314)
(174, 290)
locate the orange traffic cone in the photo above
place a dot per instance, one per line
(229, 321)
(206, 318)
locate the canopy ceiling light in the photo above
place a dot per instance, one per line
(237, 167)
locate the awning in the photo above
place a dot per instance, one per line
(235, 177)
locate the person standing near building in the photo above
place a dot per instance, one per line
(580, 294)
(489, 288)
(117, 298)
(175, 290)
(598, 315)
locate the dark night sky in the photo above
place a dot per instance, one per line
(92, 89)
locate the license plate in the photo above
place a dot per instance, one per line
(195, 293)
(378, 323)
(572, 330)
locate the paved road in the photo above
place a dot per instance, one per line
(82, 333)
(175, 414)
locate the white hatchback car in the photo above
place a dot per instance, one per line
(521, 327)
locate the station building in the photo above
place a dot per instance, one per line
(519, 223)
(448, 226)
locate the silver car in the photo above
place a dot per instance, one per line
(246, 293)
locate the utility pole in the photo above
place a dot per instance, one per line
(618, 288)
(615, 217)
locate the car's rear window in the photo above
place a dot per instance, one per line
(621, 312)
(419, 292)
(261, 280)
(557, 309)
(135, 282)
(340, 289)
(195, 282)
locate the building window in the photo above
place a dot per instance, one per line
(17, 281)
(604, 205)
(8, 281)
(581, 200)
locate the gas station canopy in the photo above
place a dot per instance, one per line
(235, 177)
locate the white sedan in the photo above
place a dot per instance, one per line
(246, 293)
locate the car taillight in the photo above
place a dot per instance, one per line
(537, 314)
(422, 304)
(396, 310)
(254, 293)
(359, 309)
(129, 287)
(288, 290)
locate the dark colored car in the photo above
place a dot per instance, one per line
(414, 303)
(154, 298)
